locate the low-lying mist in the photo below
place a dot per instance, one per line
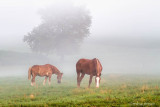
(115, 58)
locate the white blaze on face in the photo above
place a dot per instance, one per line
(97, 82)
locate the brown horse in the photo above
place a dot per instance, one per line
(44, 70)
(91, 67)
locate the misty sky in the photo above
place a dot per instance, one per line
(125, 34)
(115, 19)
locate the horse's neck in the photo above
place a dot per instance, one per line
(56, 71)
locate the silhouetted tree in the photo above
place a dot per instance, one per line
(61, 31)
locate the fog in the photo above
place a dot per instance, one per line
(124, 36)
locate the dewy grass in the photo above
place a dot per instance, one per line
(125, 90)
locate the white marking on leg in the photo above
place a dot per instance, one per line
(31, 84)
(97, 80)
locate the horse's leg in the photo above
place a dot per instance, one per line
(82, 75)
(44, 82)
(49, 82)
(90, 81)
(33, 80)
(78, 77)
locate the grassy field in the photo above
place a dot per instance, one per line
(115, 90)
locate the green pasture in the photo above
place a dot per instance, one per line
(115, 90)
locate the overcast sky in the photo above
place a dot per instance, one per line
(125, 19)
(125, 34)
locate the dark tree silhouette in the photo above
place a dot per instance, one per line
(61, 31)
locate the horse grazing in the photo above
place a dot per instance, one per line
(91, 67)
(44, 70)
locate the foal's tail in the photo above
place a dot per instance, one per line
(29, 73)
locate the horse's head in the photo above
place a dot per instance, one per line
(59, 77)
(97, 80)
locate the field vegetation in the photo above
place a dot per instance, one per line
(115, 90)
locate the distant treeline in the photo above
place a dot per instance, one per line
(18, 58)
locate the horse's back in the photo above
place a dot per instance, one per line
(42, 70)
(86, 66)
(82, 62)
(35, 68)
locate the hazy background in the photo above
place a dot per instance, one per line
(125, 36)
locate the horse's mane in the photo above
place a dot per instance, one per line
(55, 70)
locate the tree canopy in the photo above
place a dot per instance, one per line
(61, 31)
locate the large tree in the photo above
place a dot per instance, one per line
(61, 31)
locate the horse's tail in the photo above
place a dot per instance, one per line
(29, 74)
